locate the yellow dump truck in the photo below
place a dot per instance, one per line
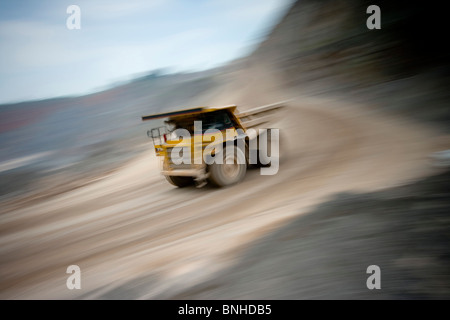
(211, 144)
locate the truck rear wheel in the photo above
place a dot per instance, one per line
(222, 175)
(180, 182)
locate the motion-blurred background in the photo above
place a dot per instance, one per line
(359, 185)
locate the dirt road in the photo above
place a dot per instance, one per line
(135, 236)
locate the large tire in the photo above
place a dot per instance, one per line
(222, 175)
(180, 182)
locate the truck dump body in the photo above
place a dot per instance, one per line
(172, 114)
(181, 113)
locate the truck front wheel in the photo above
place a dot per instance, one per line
(180, 182)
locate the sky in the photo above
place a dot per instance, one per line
(118, 40)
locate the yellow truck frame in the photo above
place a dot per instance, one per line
(232, 126)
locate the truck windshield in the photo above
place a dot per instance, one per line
(219, 120)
